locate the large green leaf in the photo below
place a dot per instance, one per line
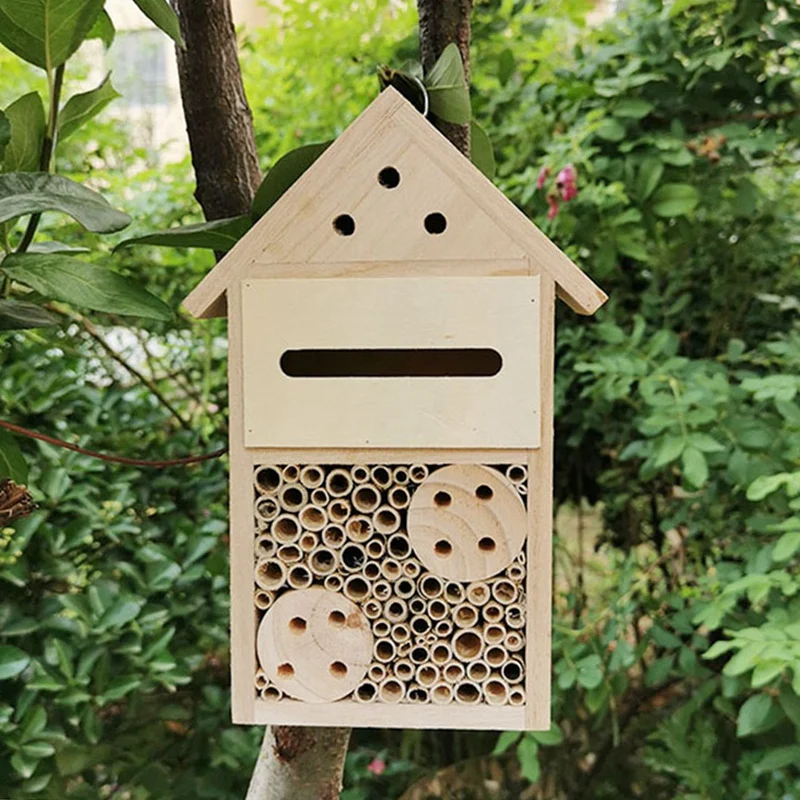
(12, 661)
(481, 150)
(447, 88)
(5, 135)
(649, 175)
(12, 462)
(16, 315)
(46, 32)
(674, 199)
(103, 29)
(30, 193)
(63, 278)
(24, 150)
(283, 174)
(755, 715)
(220, 235)
(160, 13)
(80, 108)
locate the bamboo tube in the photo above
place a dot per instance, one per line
(382, 589)
(465, 616)
(504, 591)
(338, 483)
(515, 616)
(267, 508)
(333, 536)
(493, 613)
(478, 671)
(496, 692)
(376, 672)
(404, 648)
(286, 529)
(372, 571)
(493, 634)
(313, 518)
(417, 694)
(385, 650)
(416, 605)
(418, 472)
(264, 547)
(516, 697)
(375, 548)
(512, 671)
(270, 694)
(441, 653)
(441, 694)
(400, 476)
(359, 528)
(495, 656)
(404, 669)
(381, 628)
(467, 644)
(390, 569)
(386, 520)
(366, 692)
(516, 573)
(312, 476)
(521, 557)
(290, 553)
(356, 588)
(292, 496)
(437, 609)
(514, 641)
(453, 672)
(430, 586)
(333, 583)
(391, 690)
(419, 654)
(396, 610)
(478, 593)
(454, 592)
(264, 599)
(420, 625)
(261, 679)
(309, 542)
(359, 473)
(290, 473)
(299, 577)
(467, 693)
(517, 473)
(270, 574)
(372, 609)
(400, 633)
(404, 588)
(427, 674)
(319, 497)
(322, 561)
(522, 488)
(366, 498)
(443, 628)
(411, 567)
(381, 476)
(399, 546)
(267, 479)
(339, 510)
(431, 638)
(399, 497)
(353, 557)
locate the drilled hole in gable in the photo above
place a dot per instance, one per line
(297, 625)
(443, 548)
(336, 619)
(487, 544)
(389, 177)
(442, 499)
(435, 223)
(484, 492)
(338, 669)
(344, 225)
(285, 671)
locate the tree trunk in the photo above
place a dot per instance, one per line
(442, 22)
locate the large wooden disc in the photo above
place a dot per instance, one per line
(315, 645)
(466, 522)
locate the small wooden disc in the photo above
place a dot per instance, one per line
(314, 645)
(466, 522)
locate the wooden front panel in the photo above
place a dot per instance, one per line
(439, 362)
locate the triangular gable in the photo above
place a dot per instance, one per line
(390, 222)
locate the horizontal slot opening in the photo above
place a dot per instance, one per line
(471, 362)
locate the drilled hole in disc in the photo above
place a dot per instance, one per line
(484, 492)
(338, 669)
(297, 625)
(285, 670)
(487, 544)
(443, 548)
(442, 499)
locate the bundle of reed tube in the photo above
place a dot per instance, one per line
(343, 527)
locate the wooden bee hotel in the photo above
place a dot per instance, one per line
(391, 377)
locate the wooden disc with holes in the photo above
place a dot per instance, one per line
(466, 522)
(315, 645)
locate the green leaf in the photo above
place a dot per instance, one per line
(612, 130)
(55, 247)
(448, 92)
(46, 32)
(706, 443)
(80, 108)
(779, 757)
(12, 462)
(103, 29)
(16, 315)
(24, 765)
(528, 755)
(754, 715)
(674, 199)
(790, 703)
(590, 672)
(671, 447)
(5, 135)
(786, 546)
(121, 612)
(506, 740)
(26, 116)
(481, 150)
(12, 661)
(284, 172)
(695, 468)
(31, 193)
(161, 14)
(549, 738)
(86, 285)
(765, 672)
(718, 649)
(120, 686)
(220, 235)
(632, 108)
(679, 6)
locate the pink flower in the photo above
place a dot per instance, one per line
(544, 173)
(552, 206)
(566, 182)
(376, 766)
